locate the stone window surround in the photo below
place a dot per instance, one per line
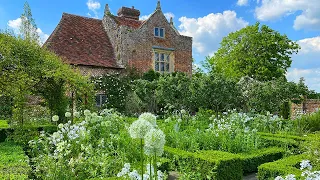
(161, 50)
(159, 28)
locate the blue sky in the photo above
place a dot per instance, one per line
(206, 21)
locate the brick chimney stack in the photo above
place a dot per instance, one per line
(130, 13)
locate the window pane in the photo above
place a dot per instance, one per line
(104, 99)
(162, 66)
(161, 32)
(156, 56)
(162, 57)
(156, 31)
(156, 67)
(98, 103)
(167, 67)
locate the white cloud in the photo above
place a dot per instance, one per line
(242, 2)
(145, 17)
(306, 63)
(15, 25)
(93, 6)
(208, 31)
(309, 18)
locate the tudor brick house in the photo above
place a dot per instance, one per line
(110, 45)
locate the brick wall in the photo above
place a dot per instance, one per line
(134, 46)
(309, 106)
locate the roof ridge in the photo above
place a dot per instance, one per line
(90, 18)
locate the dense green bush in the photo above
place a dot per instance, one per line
(13, 162)
(253, 159)
(4, 124)
(283, 167)
(205, 164)
(309, 122)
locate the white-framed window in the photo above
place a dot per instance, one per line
(100, 99)
(159, 32)
(162, 62)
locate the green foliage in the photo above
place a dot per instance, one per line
(251, 160)
(28, 28)
(310, 122)
(28, 69)
(5, 107)
(283, 167)
(13, 162)
(205, 164)
(255, 51)
(4, 124)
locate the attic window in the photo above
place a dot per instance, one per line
(159, 32)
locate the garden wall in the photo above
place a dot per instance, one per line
(309, 106)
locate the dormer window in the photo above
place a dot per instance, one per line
(159, 32)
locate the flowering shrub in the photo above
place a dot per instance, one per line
(91, 148)
(307, 174)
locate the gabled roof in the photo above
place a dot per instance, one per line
(82, 41)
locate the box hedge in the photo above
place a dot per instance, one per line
(282, 167)
(206, 164)
(13, 162)
(253, 159)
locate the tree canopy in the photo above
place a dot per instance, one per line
(255, 51)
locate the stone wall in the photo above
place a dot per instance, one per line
(134, 46)
(309, 106)
(92, 71)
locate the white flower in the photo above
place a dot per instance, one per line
(278, 178)
(305, 164)
(60, 126)
(55, 118)
(290, 177)
(179, 120)
(86, 112)
(183, 111)
(154, 142)
(134, 175)
(67, 114)
(139, 128)
(149, 117)
(76, 114)
(160, 175)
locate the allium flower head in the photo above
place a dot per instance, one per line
(55, 118)
(86, 112)
(60, 126)
(67, 114)
(154, 142)
(149, 117)
(139, 128)
(290, 177)
(76, 114)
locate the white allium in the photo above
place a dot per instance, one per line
(149, 117)
(305, 164)
(154, 142)
(67, 114)
(55, 118)
(86, 112)
(60, 126)
(76, 114)
(139, 128)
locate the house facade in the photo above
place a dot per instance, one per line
(110, 45)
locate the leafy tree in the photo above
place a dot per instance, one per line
(28, 28)
(255, 51)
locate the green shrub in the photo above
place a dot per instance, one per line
(206, 164)
(310, 122)
(253, 159)
(282, 167)
(13, 162)
(4, 124)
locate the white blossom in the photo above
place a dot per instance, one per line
(154, 142)
(67, 114)
(149, 117)
(139, 128)
(55, 118)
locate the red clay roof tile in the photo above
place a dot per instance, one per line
(82, 41)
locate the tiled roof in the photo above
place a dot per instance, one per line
(128, 22)
(82, 41)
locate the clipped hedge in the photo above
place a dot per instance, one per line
(279, 141)
(5, 132)
(253, 159)
(206, 164)
(13, 162)
(282, 167)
